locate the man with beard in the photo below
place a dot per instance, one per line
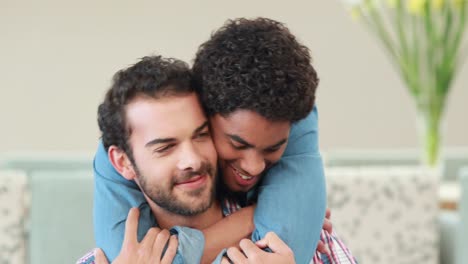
(158, 136)
(257, 85)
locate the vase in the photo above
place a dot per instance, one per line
(430, 127)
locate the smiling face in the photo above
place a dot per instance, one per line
(174, 156)
(247, 145)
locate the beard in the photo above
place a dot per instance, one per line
(165, 197)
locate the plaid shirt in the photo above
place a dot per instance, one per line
(338, 252)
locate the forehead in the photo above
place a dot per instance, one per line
(172, 116)
(251, 126)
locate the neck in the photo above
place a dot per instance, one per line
(167, 220)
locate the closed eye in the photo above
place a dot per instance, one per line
(271, 150)
(164, 149)
(203, 134)
(242, 147)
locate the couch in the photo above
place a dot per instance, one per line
(46, 208)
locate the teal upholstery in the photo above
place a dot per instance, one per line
(454, 159)
(59, 221)
(448, 226)
(371, 158)
(61, 215)
(462, 242)
(30, 162)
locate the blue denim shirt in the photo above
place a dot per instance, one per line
(291, 201)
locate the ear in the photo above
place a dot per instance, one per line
(121, 162)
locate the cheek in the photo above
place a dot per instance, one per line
(275, 157)
(209, 151)
(228, 175)
(225, 150)
(155, 170)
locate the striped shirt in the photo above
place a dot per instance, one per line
(338, 251)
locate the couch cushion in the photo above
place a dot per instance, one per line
(13, 210)
(385, 214)
(61, 215)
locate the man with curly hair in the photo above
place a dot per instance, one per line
(257, 86)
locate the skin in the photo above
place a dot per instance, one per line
(247, 145)
(174, 160)
(178, 146)
(151, 247)
(250, 252)
(149, 250)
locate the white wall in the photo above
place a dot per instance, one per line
(57, 58)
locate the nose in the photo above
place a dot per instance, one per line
(253, 163)
(189, 158)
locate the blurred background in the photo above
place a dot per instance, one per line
(57, 61)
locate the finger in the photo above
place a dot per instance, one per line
(327, 226)
(171, 250)
(225, 261)
(160, 242)
(99, 257)
(131, 226)
(235, 255)
(322, 248)
(249, 248)
(150, 237)
(328, 214)
(272, 241)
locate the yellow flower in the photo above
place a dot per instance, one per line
(416, 7)
(438, 4)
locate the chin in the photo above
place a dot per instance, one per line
(238, 189)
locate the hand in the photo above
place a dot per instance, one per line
(253, 253)
(99, 257)
(150, 249)
(327, 226)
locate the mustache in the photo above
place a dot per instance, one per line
(205, 168)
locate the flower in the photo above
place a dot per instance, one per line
(437, 4)
(423, 39)
(416, 7)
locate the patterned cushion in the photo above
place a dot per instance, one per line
(385, 214)
(13, 210)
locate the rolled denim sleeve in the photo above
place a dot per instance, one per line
(114, 196)
(292, 196)
(191, 244)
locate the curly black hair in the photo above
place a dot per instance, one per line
(152, 76)
(255, 65)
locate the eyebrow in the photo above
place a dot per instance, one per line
(168, 140)
(240, 140)
(159, 141)
(249, 145)
(281, 142)
(200, 128)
